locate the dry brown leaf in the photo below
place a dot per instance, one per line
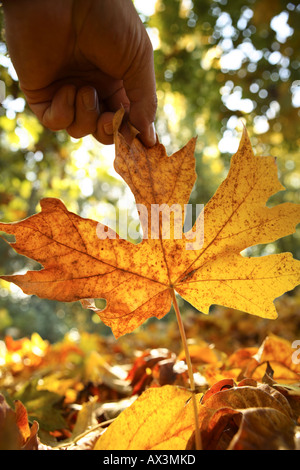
(264, 429)
(247, 417)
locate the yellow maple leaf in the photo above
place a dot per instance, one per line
(84, 260)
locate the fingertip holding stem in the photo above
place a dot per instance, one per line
(149, 138)
(152, 135)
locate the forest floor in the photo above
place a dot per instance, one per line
(68, 394)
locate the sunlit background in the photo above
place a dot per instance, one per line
(219, 65)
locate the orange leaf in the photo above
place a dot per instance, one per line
(15, 433)
(278, 352)
(219, 386)
(22, 420)
(84, 260)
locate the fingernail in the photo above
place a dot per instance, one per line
(152, 134)
(89, 99)
(108, 128)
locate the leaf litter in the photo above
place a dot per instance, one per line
(65, 406)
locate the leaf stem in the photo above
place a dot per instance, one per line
(190, 370)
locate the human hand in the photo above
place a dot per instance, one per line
(78, 61)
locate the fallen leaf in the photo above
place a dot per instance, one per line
(223, 384)
(152, 364)
(86, 418)
(84, 260)
(274, 358)
(204, 353)
(233, 416)
(279, 353)
(15, 432)
(161, 418)
(41, 405)
(218, 429)
(262, 396)
(249, 429)
(264, 429)
(31, 351)
(246, 417)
